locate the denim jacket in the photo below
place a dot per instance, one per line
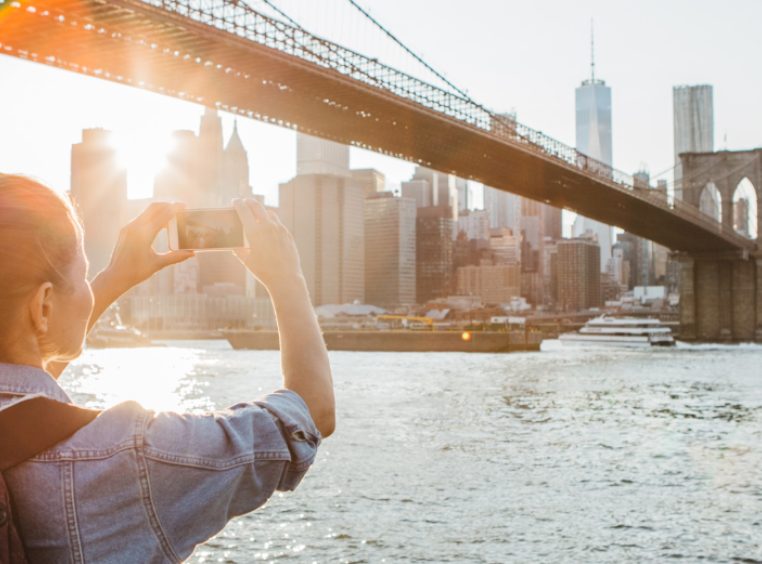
(139, 486)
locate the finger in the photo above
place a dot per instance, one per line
(274, 217)
(148, 214)
(173, 257)
(257, 209)
(242, 254)
(246, 215)
(155, 217)
(162, 217)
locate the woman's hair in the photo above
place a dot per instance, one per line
(39, 237)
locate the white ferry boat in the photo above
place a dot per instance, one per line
(621, 332)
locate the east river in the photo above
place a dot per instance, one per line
(558, 456)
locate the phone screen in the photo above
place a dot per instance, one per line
(209, 229)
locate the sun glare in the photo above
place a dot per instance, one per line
(143, 154)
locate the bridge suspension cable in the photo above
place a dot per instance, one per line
(408, 50)
(275, 8)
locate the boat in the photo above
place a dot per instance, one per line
(622, 332)
(110, 332)
(406, 340)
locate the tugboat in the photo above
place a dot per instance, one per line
(110, 332)
(621, 332)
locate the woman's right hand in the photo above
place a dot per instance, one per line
(271, 255)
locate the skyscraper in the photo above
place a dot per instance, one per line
(371, 180)
(324, 212)
(435, 189)
(389, 250)
(593, 124)
(464, 200)
(693, 121)
(99, 190)
(434, 253)
(504, 209)
(578, 277)
(320, 156)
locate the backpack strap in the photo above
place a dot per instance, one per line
(33, 425)
(27, 428)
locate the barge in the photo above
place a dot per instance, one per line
(400, 340)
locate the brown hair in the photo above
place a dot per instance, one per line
(39, 237)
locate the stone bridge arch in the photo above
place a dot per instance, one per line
(725, 170)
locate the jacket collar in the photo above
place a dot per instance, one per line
(20, 379)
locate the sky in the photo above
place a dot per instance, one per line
(526, 57)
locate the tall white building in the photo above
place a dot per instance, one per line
(593, 121)
(693, 121)
(389, 250)
(319, 156)
(504, 209)
(433, 188)
(323, 207)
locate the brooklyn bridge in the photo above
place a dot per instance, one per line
(226, 54)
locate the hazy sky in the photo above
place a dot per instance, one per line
(522, 56)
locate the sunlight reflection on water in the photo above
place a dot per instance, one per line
(159, 378)
(566, 455)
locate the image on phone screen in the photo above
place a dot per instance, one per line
(209, 229)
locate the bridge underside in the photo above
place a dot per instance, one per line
(132, 43)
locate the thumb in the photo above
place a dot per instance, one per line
(242, 254)
(173, 257)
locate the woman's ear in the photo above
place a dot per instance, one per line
(41, 307)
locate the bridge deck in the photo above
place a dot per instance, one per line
(134, 43)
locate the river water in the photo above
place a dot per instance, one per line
(564, 455)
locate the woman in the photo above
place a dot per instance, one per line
(134, 485)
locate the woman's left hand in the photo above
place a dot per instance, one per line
(134, 259)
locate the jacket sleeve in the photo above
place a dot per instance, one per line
(205, 469)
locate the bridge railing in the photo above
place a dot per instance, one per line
(236, 17)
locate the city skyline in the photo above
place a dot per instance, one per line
(87, 100)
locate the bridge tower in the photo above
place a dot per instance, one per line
(721, 293)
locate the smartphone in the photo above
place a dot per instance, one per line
(206, 230)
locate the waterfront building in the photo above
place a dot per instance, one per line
(464, 199)
(503, 209)
(639, 253)
(552, 222)
(474, 223)
(323, 208)
(505, 246)
(493, 283)
(549, 271)
(99, 190)
(325, 214)
(390, 246)
(619, 268)
(611, 291)
(320, 156)
(593, 137)
(533, 287)
(196, 312)
(434, 252)
(370, 180)
(235, 171)
(439, 190)
(418, 190)
(693, 123)
(578, 274)
(180, 179)
(467, 251)
(210, 156)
